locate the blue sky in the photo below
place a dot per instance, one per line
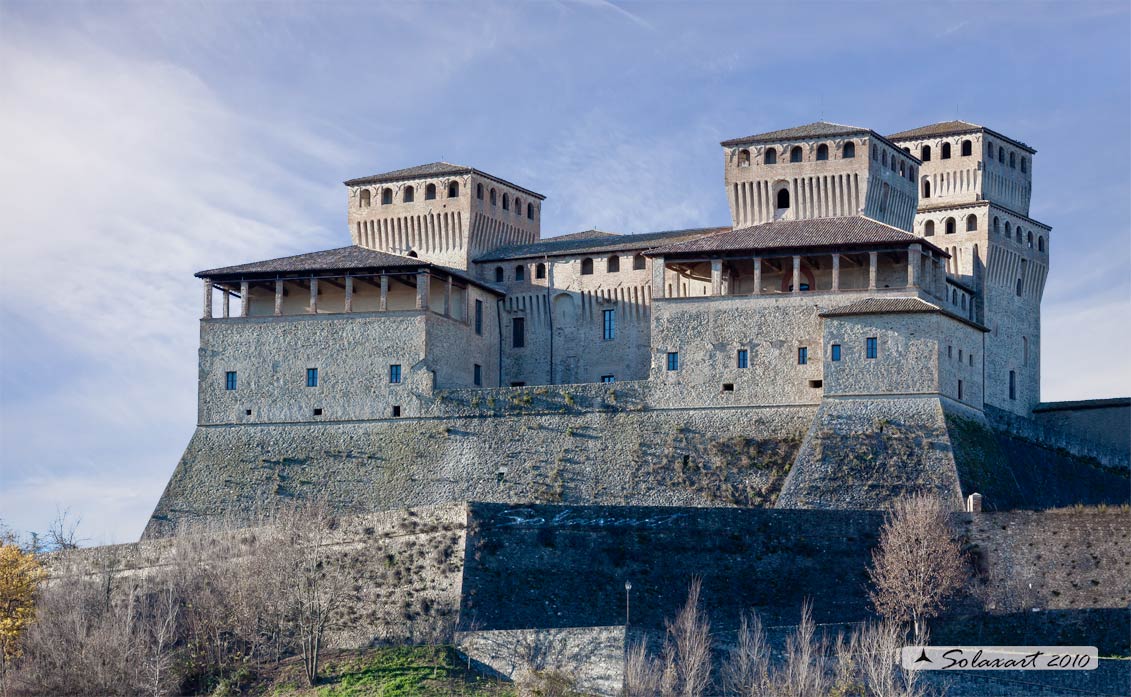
(143, 142)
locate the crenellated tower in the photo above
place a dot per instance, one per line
(974, 190)
(822, 170)
(442, 213)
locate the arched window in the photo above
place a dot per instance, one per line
(902, 168)
(363, 198)
(795, 154)
(506, 202)
(783, 198)
(429, 192)
(1040, 244)
(540, 271)
(1013, 160)
(586, 267)
(743, 158)
(822, 152)
(530, 211)
(1019, 287)
(1024, 164)
(517, 206)
(639, 263)
(907, 150)
(989, 150)
(1008, 230)
(874, 156)
(479, 191)
(884, 158)
(951, 226)
(926, 188)
(1024, 350)
(612, 264)
(498, 274)
(1030, 238)
(848, 151)
(520, 273)
(997, 227)
(1019, 237)
(925, 153)
(963, 299)
(386, 196)
(967, 148)
(413, 254)
(770, 157)
(912, 172)
(409, 194)
(953, 297)
(946, 151)
(494, 198)
(1001, 155)
(971, 223)
(929, 229)
(453, 189)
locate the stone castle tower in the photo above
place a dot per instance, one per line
(441, 213)
(974, 190)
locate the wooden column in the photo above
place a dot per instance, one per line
(716, 277)
(873, 259)
(313, 309)
(757, 275)
(423, 279)
(207, 314)
(278, 297)
(836, 273)
(796, 273)
(384, 304)
(245, 298)
(349, 293)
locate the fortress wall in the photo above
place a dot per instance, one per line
(709, 457)
(861, 453)
(1105, 423)
(1044, 434)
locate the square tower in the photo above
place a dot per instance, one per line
(822, 170)
(442, 213)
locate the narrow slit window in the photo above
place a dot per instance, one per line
(479, 317)
(477, 375)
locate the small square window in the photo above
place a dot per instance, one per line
(608, 378)
(394, 374)
(247, 412)
(834, 352)
(743, 358)
(728, 387)
(673, 360)
(312, 377)
(478, 375)
(518, 384)
(803, 355)
(318, 412)
(396, 410)
(230, 380)
(816, 384)
(870, 347)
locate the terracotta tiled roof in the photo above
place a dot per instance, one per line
(569, 245)
(888, 306)
(433, 169)
(798, 234)
(946, 128)
(817, 129)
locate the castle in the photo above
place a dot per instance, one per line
(867, 287)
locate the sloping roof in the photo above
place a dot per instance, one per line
(433, 169)
(798, 234)
(817, 129)
(586, 235)
(352, 258)
(889, 306)
(594, 244)
(946, 128)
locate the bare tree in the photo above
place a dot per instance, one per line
(688, 649)
(917, 564)
(642, 673)
(746, 671)
(803, 672)
(62, 534)
(875, 650)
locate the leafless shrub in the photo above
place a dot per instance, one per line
(746, 671)
(917, 564)
(876, 651)
(804, 670)
(687, 649)
(642, 673)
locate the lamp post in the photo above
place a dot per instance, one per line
(627, 590)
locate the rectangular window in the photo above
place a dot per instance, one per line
(478, 377)
(518, 332)
(959, 355)
(960, 389)
(479, 317)
(870, 347)
(396, 411)
(608, 378)
(673, 360)
(803, 355)
(1012, 385)
(834, 352)
(743, 358)
(395, 374)
(312, 377)
(950, 352)
(971, 357)
(230, 380)
(610, 324)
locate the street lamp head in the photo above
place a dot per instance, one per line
(628, 585)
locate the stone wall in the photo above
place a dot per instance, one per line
(1101, 422)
